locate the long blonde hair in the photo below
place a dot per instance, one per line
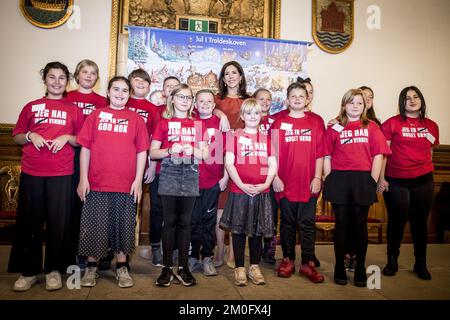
(170, 111)
(348, 98)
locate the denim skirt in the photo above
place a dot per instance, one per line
(178, 177)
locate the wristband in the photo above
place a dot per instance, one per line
(27, 136)
(320, 178)
(169, 151)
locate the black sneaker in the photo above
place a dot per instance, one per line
(185, 276)
(165, 277)
(268, 258)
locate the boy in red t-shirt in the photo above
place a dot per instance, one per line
(300, 144)
(213, 179)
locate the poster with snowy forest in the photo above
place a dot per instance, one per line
(197, 57)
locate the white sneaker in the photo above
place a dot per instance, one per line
(53, 281)
(89, 276)
(125, 281)
(24, 283)
(254, 273)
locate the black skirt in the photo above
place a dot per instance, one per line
(350, 187)
(247, 215)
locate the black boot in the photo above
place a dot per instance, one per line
(420, 267)
(340, 276)
(360, 278)
(392, 266)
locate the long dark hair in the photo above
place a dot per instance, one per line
(56, 65)
(371, 112)
(242, 90)
(402, 102)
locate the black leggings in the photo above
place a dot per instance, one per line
(176, 228)
(156, 212)
(408, 199)
(348, 215)
(255, 248)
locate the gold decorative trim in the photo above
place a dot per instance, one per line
(114, 35)
(120, 14)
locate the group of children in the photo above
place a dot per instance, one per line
(105, 149)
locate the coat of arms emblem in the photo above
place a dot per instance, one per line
(46, 13)
(333, 24)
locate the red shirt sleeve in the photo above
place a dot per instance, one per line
(160, 131)
(22, 125)
(85, 136)
(386, 128)
(142, 140)
(330, 140)
(378, 143)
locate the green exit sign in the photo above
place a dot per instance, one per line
(198, 25)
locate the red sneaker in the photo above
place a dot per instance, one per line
(311, 273)
(286, 268)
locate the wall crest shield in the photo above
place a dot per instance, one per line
(46, 13)
(333, 24)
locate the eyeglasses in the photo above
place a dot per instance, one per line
(183, 97)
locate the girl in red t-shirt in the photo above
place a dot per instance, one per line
(407, 178)
(178, 140)
(356, 147)
(46, 128)
(86, 75)
(156, 210)
(114, 144)
(248, 211)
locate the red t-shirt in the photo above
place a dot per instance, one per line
(185, 130)
(114, 137)
(87, 102)
(411, 143)
(161, 109)
(251, 153)
(50, 119)
(211, 169)
(354, 147)
(281, 113)
(265, 123)
(301, 141)
(231, 107)
(147, 110)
